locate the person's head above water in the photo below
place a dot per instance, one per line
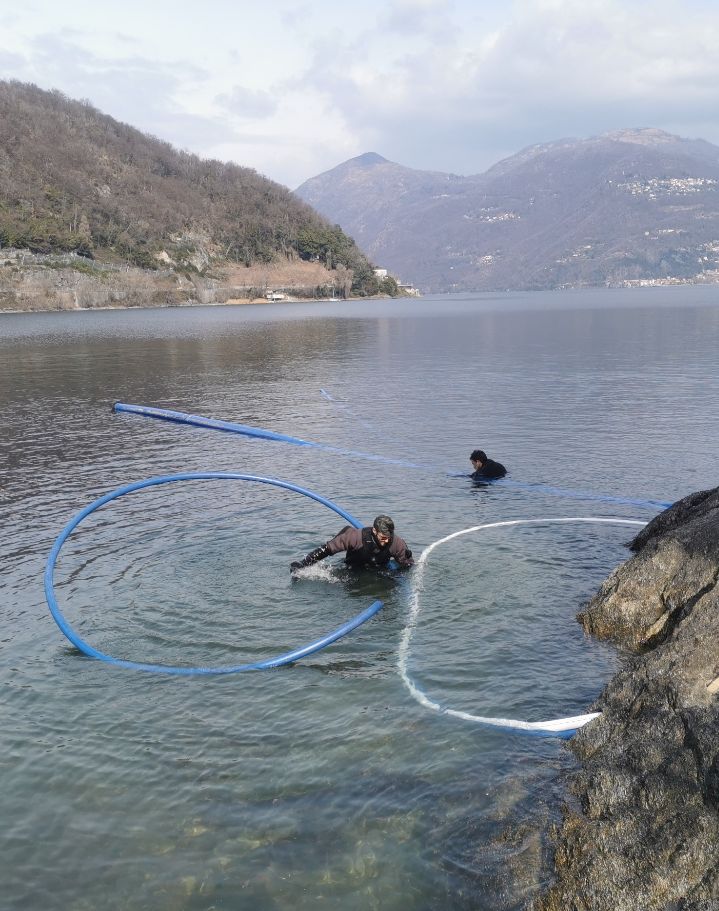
(479, 455)
(383, 529)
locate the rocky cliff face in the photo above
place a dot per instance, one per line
(30, 282)
(644, 835)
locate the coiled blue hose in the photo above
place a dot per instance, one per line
(562, 727)
(286, 658)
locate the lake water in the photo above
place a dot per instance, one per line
(321, 784)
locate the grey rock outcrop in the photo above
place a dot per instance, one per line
(36, 281)
(644, 832)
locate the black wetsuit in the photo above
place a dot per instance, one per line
(361, 550)
(490, 471)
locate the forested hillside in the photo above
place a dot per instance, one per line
(75, 180)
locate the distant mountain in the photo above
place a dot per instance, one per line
(73, 180)
(636, 205)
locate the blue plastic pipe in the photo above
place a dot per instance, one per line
(286, 658)
(180, 417)
(195, 420)
(581, 494)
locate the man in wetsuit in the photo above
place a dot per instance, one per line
(364, 547)
(485, 469)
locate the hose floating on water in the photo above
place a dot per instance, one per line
(557, 727)
(180, 417)
(286, 658)
(562, 727)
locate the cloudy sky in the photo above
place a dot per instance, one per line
(294, 87)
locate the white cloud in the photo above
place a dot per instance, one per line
(551, 69)
(248, 103)
(415, 17)
(443, 84)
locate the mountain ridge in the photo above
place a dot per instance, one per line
(636, 205)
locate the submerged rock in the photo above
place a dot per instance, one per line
(644, 834)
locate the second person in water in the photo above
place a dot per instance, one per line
(485, 469)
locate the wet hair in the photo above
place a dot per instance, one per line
(479, 455)
(384, 525)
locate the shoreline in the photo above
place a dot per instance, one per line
(35, 282)
(232, 302)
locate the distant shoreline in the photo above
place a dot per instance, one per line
(233, 302)
(35, 282)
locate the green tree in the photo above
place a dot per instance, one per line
(388, 285)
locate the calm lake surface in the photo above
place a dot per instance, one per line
(322, 784)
